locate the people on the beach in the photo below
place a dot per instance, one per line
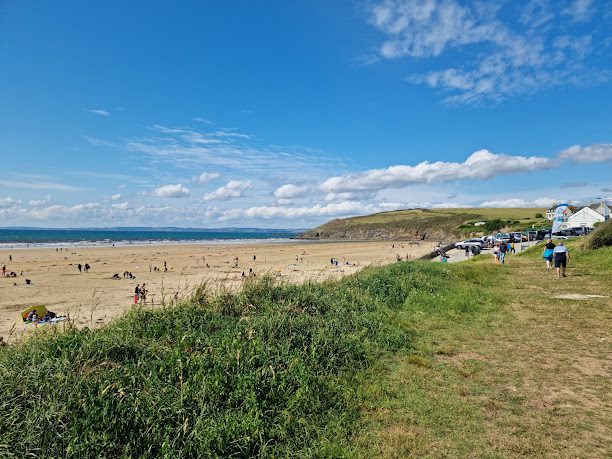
(561, 256)
(79, 267)
(87, 267)
(136, 293)
(4, 271)
(143, 293)
(548, 253)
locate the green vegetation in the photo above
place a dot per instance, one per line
(407, 360)
(427, 224)
(539, 215)
(267, 371)
(601, 237)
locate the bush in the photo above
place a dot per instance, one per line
(539, 215)
(493, 225)
(601, 237)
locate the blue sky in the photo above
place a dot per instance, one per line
(288, 114)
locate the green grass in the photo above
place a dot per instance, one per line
(268, 371)
(407, 360)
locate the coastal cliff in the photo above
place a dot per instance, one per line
(419, 224)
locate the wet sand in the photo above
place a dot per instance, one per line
(94, 298)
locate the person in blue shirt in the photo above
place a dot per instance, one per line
(561, 256)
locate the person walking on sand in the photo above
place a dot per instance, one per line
(79, 267)
(561, 256)
(548, 253)
(136, 293)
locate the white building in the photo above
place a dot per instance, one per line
(550, 213)
(584, 217)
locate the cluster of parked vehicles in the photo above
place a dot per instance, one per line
(518, 236)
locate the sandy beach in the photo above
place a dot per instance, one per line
(93, 298)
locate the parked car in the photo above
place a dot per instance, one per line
(517, 236)
(581, 230)
(543, 234)
(503, 237)
(470, 243)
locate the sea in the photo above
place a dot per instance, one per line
(41, 237)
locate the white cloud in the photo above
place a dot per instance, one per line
(496, 60)
(205, 177)
(85, 210)
(318, 210)
(290, 191)
(579, 10)
(8, 202)
(592, 154)
(518, 202)
(480, 165)
(203, 120)
(171, 191)
(122, 186)
(40, 202)
(228, 149)
(116, 197)
(98, 111)
(38, 185)
(121, 206)
(233, 189)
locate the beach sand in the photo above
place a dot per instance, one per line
(93, 298)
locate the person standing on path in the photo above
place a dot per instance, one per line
(548, 253)
(503, 249)
(561, 255)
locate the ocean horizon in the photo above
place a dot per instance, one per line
(23, 237)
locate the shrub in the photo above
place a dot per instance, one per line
(601, 237)
(539, 215)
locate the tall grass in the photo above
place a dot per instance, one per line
(271, 370)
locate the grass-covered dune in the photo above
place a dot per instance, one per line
(428, 223)
(270, 371)
(413, 359)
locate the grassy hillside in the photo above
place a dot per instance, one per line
(426, 223)
(406, 360)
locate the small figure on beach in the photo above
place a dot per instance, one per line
(80, 267)
(136, 293)
(4, 271)
(87, 267)
(165, 266)
(10, 257)
(254, 257)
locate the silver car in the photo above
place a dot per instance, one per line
(470, 243)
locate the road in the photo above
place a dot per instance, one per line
(455, 255)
